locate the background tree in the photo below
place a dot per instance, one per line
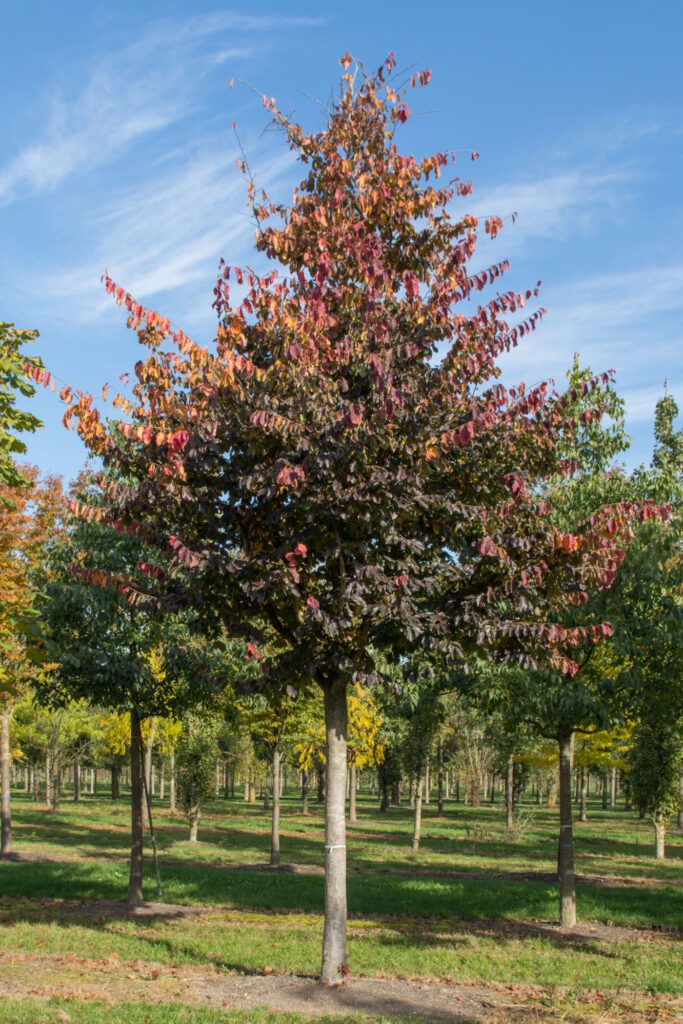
(30, 513)
(17, 373)
(196, 760)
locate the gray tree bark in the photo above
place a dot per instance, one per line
(135, 898)
(510, 794)
(171, 783)
(417, 817)
(334, 932)
(565, 859)
(353, 814)
(77, 780)
(440, 781)
(275, 817)
(5, 762)
(305, 791)
(583, 799)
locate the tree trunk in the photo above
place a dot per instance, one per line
(440, 781)
(417, 817)
(396, 794)
(115, 782)
(583, 804)
(149, 747)
(193, 819)
(384, 798)
(305, 791)
(320, 795)
(5, 761)
(565, 859)
(428, 783)
(353, 818)
(171, 783)
(275, 820)
(605, 790)
(660, 838)
(77, 780)
(510, 794)
(135, 898)
(680, 799)
(613, 789)
(334, 935)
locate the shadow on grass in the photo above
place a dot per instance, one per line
(386, 895)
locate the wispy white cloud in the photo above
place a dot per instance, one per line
(130, 94)
(112, 111)
(220, 21)
(554, 205)
(630, 321)
(232, 53)
(169, 233)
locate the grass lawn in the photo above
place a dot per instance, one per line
(472, 907)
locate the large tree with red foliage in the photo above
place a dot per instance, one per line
(341, 473)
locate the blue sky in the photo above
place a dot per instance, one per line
(116, 152)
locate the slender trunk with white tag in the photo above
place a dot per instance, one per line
(334, 934)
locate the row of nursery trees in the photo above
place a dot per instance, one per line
(338, 492)
(395, 754)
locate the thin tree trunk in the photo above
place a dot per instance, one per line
(440, 781)
(305, 791)
(77, 780)
(680, 799)
(417, 817)
(396, 794)
(613, 789)
(115, 782)
(193, 819)
(149, 747)
(605, 790)
(510, 794)
(171, 783)
(583, 804)
(5, 763)
(660, 838)
(353, 818)
(428, 783)
(334, 934)
(275, 820)
(565, 859)
(135, 897)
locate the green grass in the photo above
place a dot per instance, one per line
(404, 948)
(63, 1011)
(428, 915)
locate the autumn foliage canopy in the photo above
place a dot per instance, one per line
(341, 469)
